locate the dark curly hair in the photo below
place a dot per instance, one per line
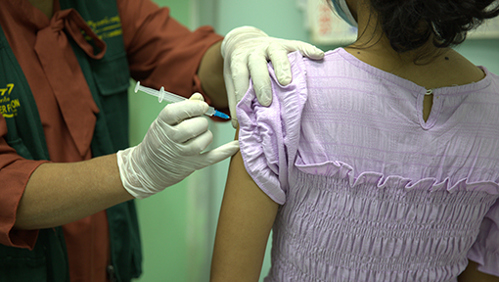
(409, 24)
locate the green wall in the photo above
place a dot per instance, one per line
(162, 217)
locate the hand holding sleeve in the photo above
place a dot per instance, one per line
(171, 150)
(246, 51)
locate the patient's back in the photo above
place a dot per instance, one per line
(370, 189)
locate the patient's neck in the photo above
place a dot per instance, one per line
(428, 66)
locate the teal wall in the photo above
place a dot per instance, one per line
(178, 225)
(163, 217)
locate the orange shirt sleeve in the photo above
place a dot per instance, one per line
(14, 174)
(161, 51)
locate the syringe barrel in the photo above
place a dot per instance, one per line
(169, 97)
(173, 98)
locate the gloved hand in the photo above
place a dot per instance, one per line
(246, 51)
(171, 149)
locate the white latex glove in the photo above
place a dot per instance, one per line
(171, 149)
(246, 51)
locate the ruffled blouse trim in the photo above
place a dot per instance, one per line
(266, 132)
(431, 184)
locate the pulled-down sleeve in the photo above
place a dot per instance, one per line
(160, 50)
(485, 251)
(14, 175)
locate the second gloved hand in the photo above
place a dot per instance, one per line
(171, 149)
(246, 51)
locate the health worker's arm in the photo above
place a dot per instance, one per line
(173, 148)
(59, 193)
(246, 218)
(471, 274)
(163, 52)
(210, 74)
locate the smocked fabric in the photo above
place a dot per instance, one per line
(370, 191)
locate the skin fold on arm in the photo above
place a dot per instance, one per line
(244, 225)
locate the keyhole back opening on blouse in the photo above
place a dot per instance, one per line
(427, 104)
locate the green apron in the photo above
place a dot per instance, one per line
(108, 80)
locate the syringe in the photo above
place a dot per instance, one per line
(174, 98)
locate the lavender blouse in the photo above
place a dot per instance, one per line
(368, 190)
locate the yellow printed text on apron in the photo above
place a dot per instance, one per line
(8, 105)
